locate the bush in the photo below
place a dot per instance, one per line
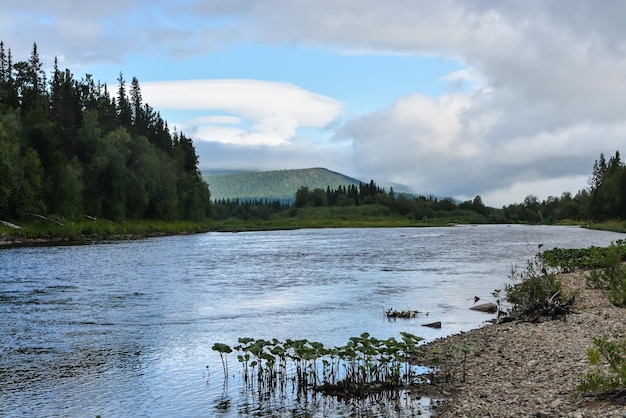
(611, 276)
(536, 291)
(609, 361)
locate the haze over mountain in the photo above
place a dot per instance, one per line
(278, 184)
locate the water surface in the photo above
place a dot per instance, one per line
(125, 328)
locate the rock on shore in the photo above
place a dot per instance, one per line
(523, 369)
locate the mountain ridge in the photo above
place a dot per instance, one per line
(274, 185)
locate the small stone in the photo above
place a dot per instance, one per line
(486, 307)
(532, 363)
(556, 403)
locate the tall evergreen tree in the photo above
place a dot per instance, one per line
(135, 103)
(124, 111)
(65, 110)
(68, 148)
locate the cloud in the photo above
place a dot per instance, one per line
(541, 94)
(446, 145)
(258, 112)
(294, 155)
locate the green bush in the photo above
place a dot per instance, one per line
(609, 361)
(611, 276)
(536, 291)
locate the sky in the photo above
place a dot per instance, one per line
(501, 99)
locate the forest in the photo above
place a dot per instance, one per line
(71, 149)
(604, 200)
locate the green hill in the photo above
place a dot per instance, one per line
(274, 185)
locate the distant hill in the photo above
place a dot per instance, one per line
(274, 185)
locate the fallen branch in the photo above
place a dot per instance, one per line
(10, 225)
(36, 215)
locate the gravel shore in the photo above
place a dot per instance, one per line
(523, 369)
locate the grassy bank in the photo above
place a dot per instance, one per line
(58, 230)
(367, 216)
(612, 225)
(49, 230)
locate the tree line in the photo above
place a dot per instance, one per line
(71, 148)
(604, 199)
(416, 207)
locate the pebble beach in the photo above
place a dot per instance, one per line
(528, 369)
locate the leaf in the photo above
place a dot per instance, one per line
(222, 348)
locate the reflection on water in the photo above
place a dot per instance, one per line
(125, 329)
(396, 404)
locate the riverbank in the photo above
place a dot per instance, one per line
(43, 232)
(523, 369)
(40, 230)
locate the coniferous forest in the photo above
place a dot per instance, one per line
(71, 148)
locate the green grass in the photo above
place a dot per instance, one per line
(101, 229)
(611, 225)
(365, 216)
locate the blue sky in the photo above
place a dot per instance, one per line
(455, 98)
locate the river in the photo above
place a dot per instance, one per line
(125, 328)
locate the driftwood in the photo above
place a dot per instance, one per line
(10, 225)
(550, 308)
(36, 215)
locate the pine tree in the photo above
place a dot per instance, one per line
(124, 112)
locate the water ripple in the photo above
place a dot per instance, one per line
(125, 328)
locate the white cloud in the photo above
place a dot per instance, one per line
(543, 90)
(231, 135)
(446, 146)
(217, 120)
(265, 112)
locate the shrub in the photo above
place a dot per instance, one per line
(611, 276)
(536, 291)
(609, 361)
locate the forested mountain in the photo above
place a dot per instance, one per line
(273, 185)
(71, 148)
(604, 200)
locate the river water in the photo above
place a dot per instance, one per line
(126, 328)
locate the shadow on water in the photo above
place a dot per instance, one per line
(312, 404)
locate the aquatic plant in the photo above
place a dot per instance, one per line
(569, 259)
(223, 349)
(466, 348)
(442, 359)
(363, 364)
(406, 314)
